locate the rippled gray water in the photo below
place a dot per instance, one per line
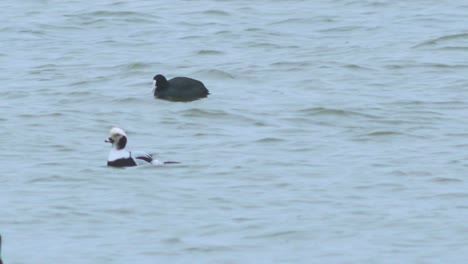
(335, 132)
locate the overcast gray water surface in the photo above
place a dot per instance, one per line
(335, 132)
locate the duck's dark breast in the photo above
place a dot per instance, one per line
(129, 162)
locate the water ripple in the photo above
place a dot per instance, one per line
(322, 111)
(443, 40)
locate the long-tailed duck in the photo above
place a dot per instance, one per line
(178, 88)
(119, 157)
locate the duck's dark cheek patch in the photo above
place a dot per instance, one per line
(122, 142)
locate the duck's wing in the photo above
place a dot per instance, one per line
(142, 157)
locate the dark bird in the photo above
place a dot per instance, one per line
(179, 88)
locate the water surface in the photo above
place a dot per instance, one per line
(335, 132)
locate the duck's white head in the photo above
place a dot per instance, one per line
(117, 137)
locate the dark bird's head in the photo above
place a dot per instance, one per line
(118, 138)
(160, 82)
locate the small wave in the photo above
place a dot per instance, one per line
(107, 13)
(200, 25)
(453, 195)
(56, 114)
(128, 100)
(454, 48)
(171, 240)
(215, 114)
(79, 93)
(270, 140)
(47, 178)
(383, 133)
(263, 45)
(260, 124)
(33, 31)
(58, 27)
(253, 29)
(46, 67)
(446, 180)
(335, 112)
(138, 65)
(302, 149)
(224, 32)
(355, 67)
(103, 17)
(280, 234)
(209, 52)
(79, 83)
(340, 29)
(435, 41)
(195, 112)
(140, 20)
(62, 148)
(243, 219)
(377, 3)
(192, 37)
(410, 173)
(120, 211)
(288, 21)
(417, 103)
(209, 135)
(215, 12)
(133, 66)
(207, 249)
(427, 65)
(442, 65)
(291, 63)
(216, 74)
